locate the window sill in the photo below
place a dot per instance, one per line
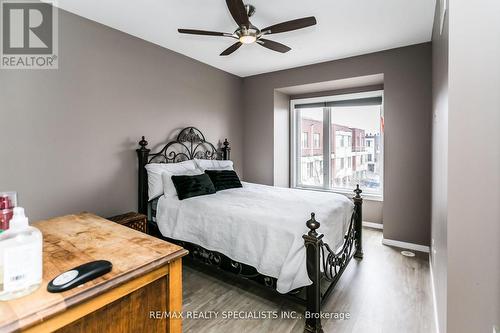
(347, 193)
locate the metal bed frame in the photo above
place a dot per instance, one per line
(324, 265)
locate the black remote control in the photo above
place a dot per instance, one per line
(79, 275)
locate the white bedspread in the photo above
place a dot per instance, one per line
(258, 225)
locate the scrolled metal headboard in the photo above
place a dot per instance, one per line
(189, 144)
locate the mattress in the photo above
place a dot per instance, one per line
(258, 225)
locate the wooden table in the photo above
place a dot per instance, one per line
(146, 276)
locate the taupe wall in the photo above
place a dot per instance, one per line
(439, 165)
(473, 303)
(68, 135)
(373, 211)
(408, 105)
(281, 121)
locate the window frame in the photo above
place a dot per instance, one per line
(295, 133)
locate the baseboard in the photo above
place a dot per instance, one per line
(405, 245)
(434, 299)
(373, 225)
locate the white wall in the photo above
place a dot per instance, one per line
(439, 244)
(473, 303)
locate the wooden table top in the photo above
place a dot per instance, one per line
(72, 240)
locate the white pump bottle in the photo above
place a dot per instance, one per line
(20, 258)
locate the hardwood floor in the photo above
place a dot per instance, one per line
(385, 292)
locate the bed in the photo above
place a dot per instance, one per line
(257, 232)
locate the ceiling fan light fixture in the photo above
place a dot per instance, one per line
(248, 39)
(247, 33)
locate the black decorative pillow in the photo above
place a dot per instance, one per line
(193, 186)
(224, 179)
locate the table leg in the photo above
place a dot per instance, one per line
(174, 301)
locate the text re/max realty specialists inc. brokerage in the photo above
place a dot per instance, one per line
(245, 315)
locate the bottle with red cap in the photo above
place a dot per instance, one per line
(8, 200)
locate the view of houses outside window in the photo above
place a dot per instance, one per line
(311, 161)
(355, 147)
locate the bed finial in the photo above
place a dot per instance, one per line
(313, 225)
(358, 191)
(226, 150)
(358, 222)
(143, 143)
(142, 155)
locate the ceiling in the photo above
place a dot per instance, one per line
(328, 86)
(345, 28)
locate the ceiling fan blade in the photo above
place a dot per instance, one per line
(239, 12)
(272, 45)
(290, 25)
(231, 49)
(204, 32)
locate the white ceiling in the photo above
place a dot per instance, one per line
(318, 87)
(345, 28)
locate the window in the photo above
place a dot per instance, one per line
(305, 140)
(338, 140)
(309, 168)
(347, 138)
(318, 165)
(316, 140)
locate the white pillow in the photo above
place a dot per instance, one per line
(214, 164)
(155, 183)
(168, 184)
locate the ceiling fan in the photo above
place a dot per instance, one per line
(247, 33)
